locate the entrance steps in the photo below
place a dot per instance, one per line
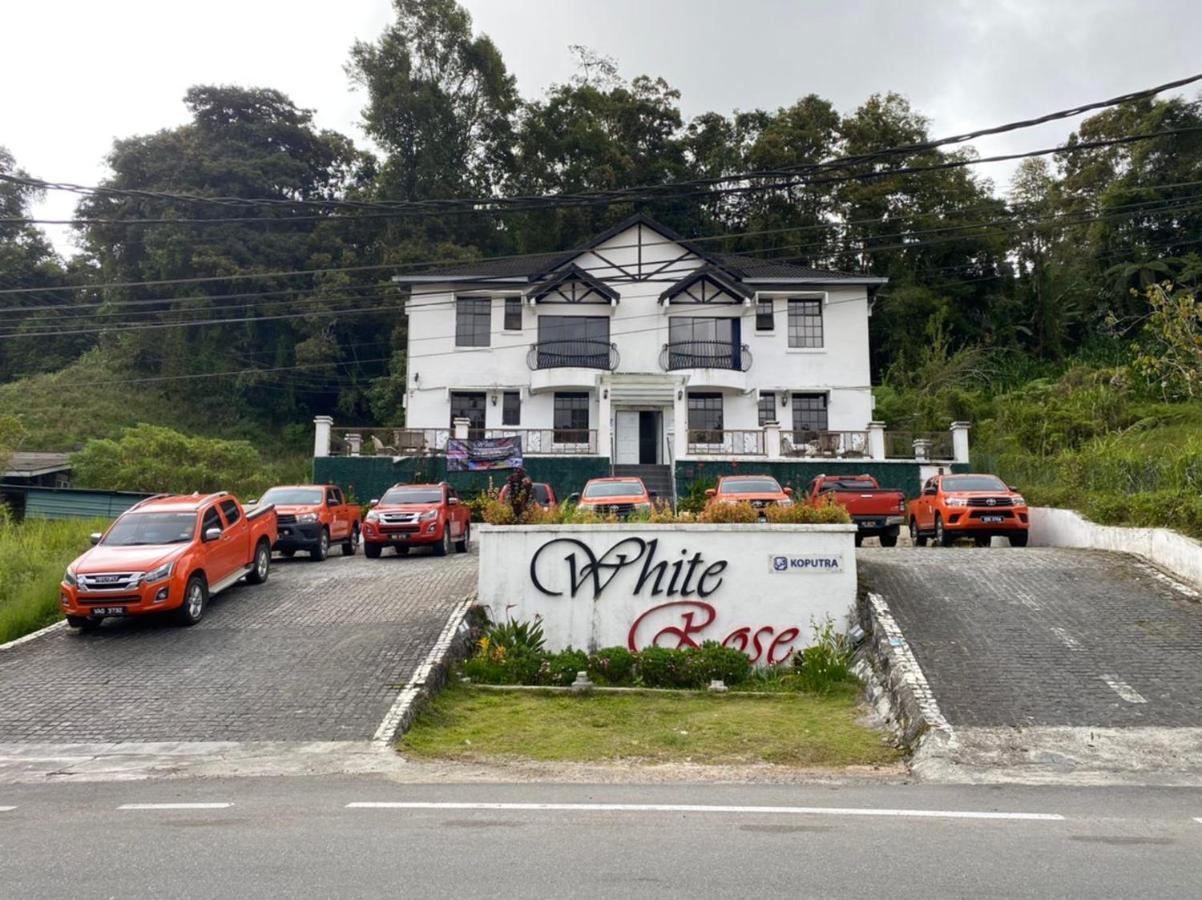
(658, 479)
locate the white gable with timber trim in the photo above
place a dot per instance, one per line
(639, 253)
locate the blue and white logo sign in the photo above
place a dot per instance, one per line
(815, 563)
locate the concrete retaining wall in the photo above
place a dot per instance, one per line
(759, 588)
(1162, 547)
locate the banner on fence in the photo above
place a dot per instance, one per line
(484, 455)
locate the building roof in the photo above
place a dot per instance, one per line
(537, 266)
(27, 464)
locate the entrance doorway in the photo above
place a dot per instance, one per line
(637, 436)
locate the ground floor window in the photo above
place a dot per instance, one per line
(809, 413)
(571, 418)
(705, 418)
(767, 408)
(469, 405)
(511, 408)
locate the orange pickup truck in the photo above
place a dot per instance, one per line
(313, 516)
(758, 490)
(417, 515)
(971, 506)
(168, 553)
(877, 511)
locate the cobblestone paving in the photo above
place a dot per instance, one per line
(1045, 636)
(316, 654)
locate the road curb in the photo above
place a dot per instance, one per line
(34, 635)
(429, 677)
(920, 722)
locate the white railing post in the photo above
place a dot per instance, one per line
(321, 435)
(876, 440)
(680, 423)
(922, 449)
(772, 440)
(604, 423)
(461, 427)
(354, 443)
(960, 441)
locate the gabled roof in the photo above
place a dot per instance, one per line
(534, 267)
(716, 277)
(30, 464)
(576, 274)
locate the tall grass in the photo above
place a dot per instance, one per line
(33, 555)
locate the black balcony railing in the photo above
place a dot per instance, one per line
(705, 355)
(581, 354)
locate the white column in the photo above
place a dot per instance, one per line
(460, 428)
(876, 440)
(922, 449)
(604, 422)
(680, 422)
(960, 441)
(321, 435)
(353, 443)
(772, 440)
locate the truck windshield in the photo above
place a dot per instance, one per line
(750, 486)
(412, 495)
(151, 528)
(613, 489)
(292, 497)
(974, 483)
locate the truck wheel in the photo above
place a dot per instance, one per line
(942, 538)
(889, 538)
(916, 538)
(443, 547)
(859, 539)
(322, 550)
(196, 597)
(1019, 539)
(349, 547)
(262, 564)
(372, 551)
(461, 546)
(83, 623)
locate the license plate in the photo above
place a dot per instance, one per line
(993, 518)
(871, 523)
(400, 537)
(109, 610)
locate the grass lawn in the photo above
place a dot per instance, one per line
(470, 724)
(33, 555)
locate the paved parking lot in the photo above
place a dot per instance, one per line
(1039, 636)
(317, 654)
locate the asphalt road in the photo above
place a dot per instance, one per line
(299, 838)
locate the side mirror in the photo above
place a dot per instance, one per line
(95, 537)
(452, 501)
(212, 534)
(652, 494)
(711, 492)
(574, 498)
(788, 492)
(252, 502)
(1013, 487)
(373, 503)
(331, 502)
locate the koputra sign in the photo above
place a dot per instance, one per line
(759, 588)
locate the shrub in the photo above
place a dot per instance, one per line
(730, 513)
(496, 665)
(664, 667)
(825, 663)
(559, 669)
(612, 665)
(802, 514)
(694, 501)
(517, 635)
(711, 660)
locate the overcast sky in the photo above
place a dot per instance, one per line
(75, 74)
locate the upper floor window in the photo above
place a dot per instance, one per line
(513, 313)
(765, 319)
(805, 323)
(473, 321)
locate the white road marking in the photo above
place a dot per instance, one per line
(1198, 820)
(175, 806)
(33, 636)
(1176, 585)
(742, 810)
(1065, 638)
(1124, 690)
(7, 808)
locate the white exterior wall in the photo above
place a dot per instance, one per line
(639, 326)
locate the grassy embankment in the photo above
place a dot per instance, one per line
(33, 555)
(800, 730)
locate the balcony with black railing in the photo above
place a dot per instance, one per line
(579, 354)
(705, 355)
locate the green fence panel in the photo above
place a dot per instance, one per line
(77, 503)
(901, 475)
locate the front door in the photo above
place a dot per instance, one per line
(626, 437)
(648, 437)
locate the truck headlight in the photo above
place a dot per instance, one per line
(427, 516)
(162, 572)
(1019, 500)
(372, 517)
(956, 501)
(69, 578)
(306, 518)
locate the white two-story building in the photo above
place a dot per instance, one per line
(644, 347)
